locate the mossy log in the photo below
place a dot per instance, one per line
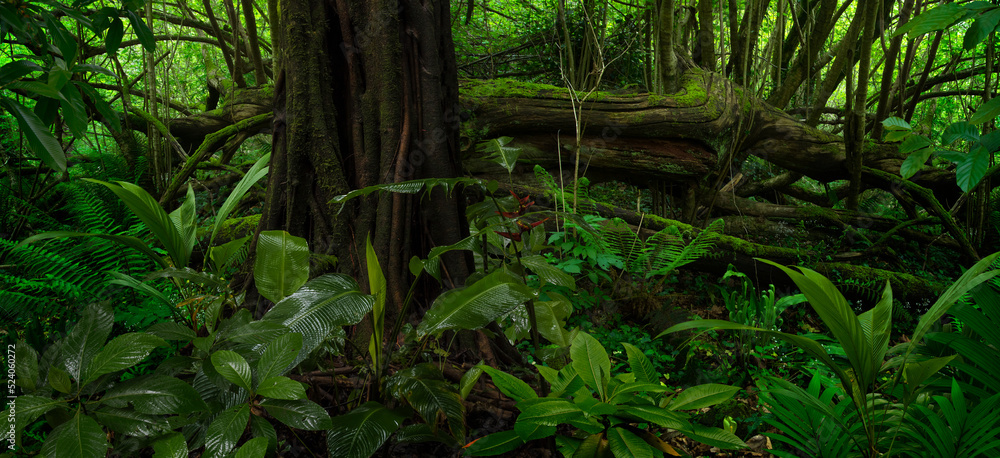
(685, 135)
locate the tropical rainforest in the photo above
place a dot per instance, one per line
(588, 228)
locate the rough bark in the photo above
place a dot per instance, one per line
(692, 128)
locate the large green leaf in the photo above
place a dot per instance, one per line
(976, 275)
(319, 306)
(86, 339)
(185, 222)
(972, 168)
(130, 422)
(255, 332)
(548, 272)
(714, 436)
(838, 316)
(424, 388)
(877, 324)
(988, 111)
(360, 432)
(148, 210)
(981, 28)
(256, 172)
(233, 367)
(592, 364)
(509, 385)
(475, 306)
(914, 162)
(122, 352)
(624, 444)
(281, 265)
(79, 437)
(701, 396)
(279, 355)
(939, 18)
(280, 387)
(495, 444)
(550, 317)
(377, 287)
(301, 414)
(172, 446)
(155, 395)
(42, 142)
(654, 414)
(550, 412)
(640, 364)
(226, 430)
(253, 448)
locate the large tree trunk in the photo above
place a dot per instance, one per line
(365, 94)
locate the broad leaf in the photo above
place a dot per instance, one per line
(86, 339)
(377, 287)
(81, 436)
(981, 28)
(640, 364)
(509, 385)
(300, 414)
(469, 380)
(625, 444)
(41, 140)
(474, 306)
(155, 395)
(281, 388)
(282, 264)
(550, 412)
(233, 367)
(548, 272)
(148, 210)
(172, 446)
(495, 444)
(253, 448)
(225, 431)
(256, 172)
(185, 222)
(279, 355)
(362, 431)
(894, 123)
(972, 168)
(130, 422)
(654, 414)
(939, 18)
(973, 277)
(914, 143)
(914, 162)
(591, 362)
(986, 112)
(324, 303)
(122, 352)
(424, 388)
(701, 396)
(959, 131)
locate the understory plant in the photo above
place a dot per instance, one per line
(879, 393)
(622, 415)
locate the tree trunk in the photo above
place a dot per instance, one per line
(365, 94)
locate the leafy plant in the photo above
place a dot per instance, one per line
(865, 342)
(608, 413)
(972, 164)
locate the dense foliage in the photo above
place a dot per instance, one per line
(636, 182)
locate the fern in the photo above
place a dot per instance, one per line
(661, 253)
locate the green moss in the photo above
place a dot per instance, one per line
(509, 88)
(234, 228)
